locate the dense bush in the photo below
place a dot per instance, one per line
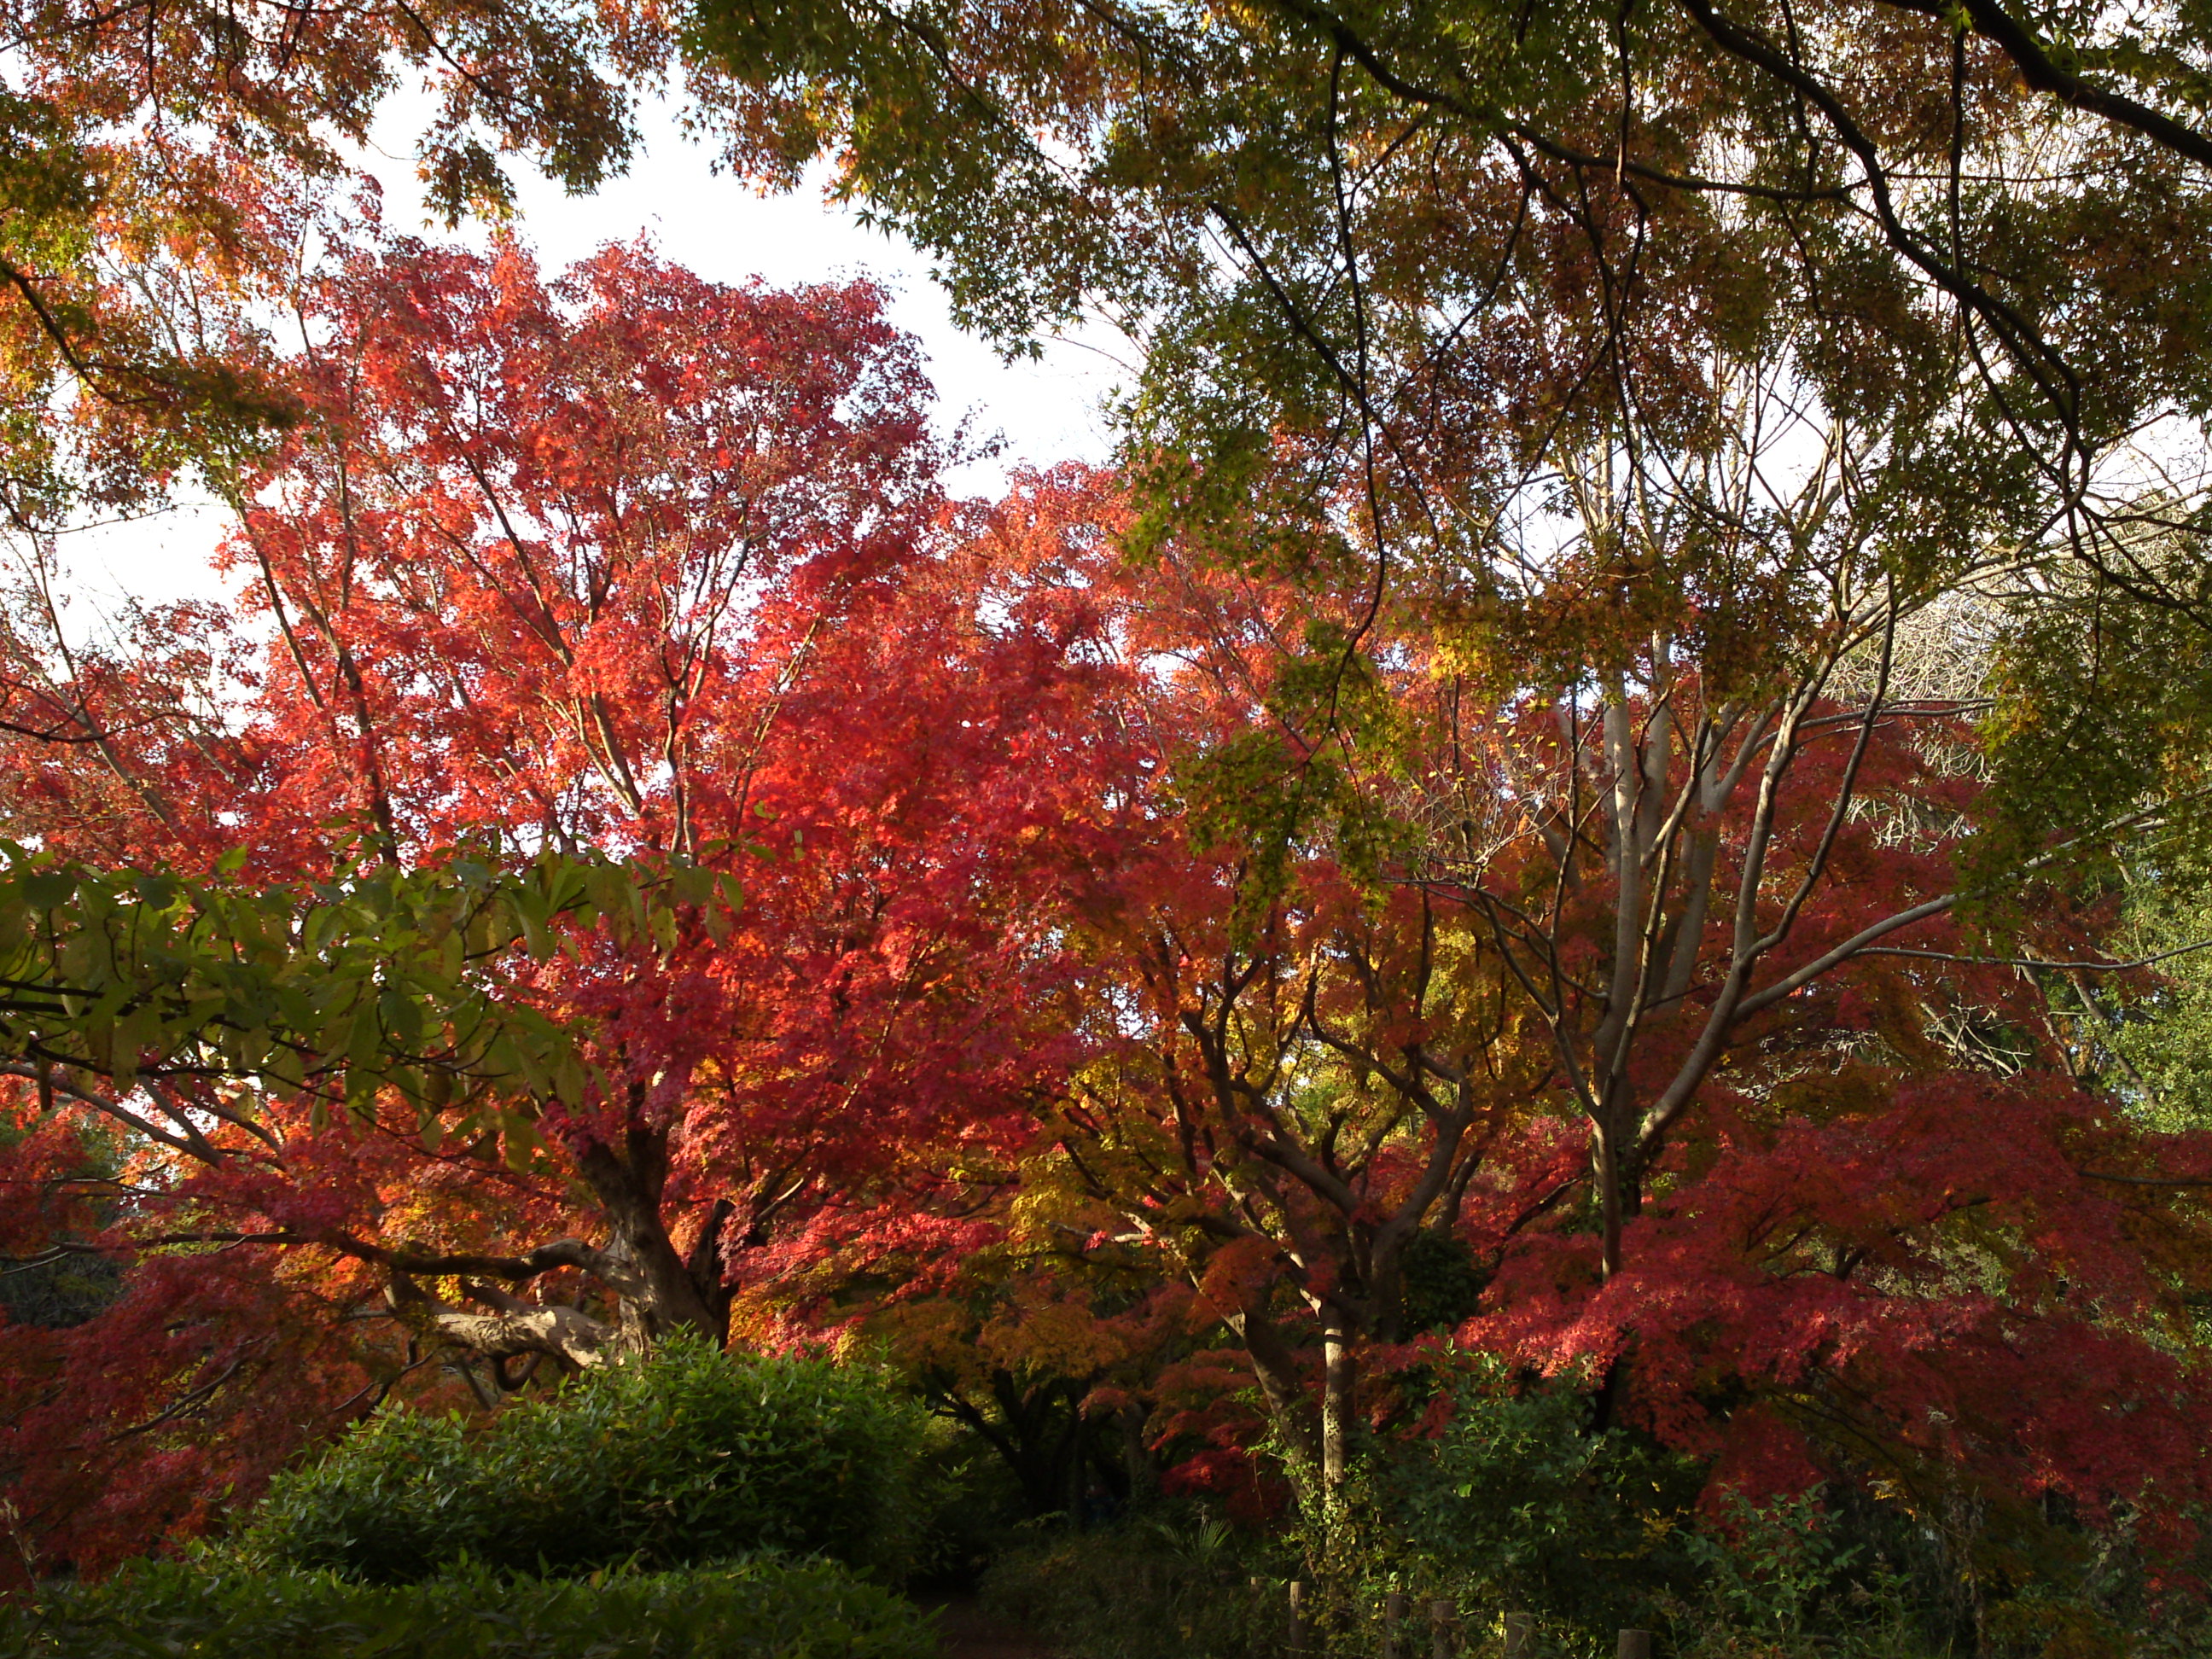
(1779, 1586)
(763, 1608)
(971, 1504)
(1782, 1578)
(689, 1456)
(1170, 1585)
(1515, 1506)
(1518, 1505)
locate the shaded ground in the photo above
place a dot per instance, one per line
(966, 1631)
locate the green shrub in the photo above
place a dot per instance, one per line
(687, 1456)
(1161, 1586)
(1517, 1505)
(1785, 1580)
(970, 1503)
(763, 1608)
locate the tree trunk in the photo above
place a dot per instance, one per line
(513, 1329)
(1606, 1162)
(1137, 1457)
(1340, 1389)
(1276, 1369)
(657, 1292)
(1619, 1182)
(662, 1295)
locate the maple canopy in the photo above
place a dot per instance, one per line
(1599, 790)
(1153, 971)
(1625, 422)
(623, 564)
(166, 165)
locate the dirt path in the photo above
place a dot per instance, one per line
(966, 1631)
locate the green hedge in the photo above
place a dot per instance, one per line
(763, 1608)
(689, 1456)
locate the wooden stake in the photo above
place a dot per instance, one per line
(1393, 1624)
(1520, 1636)
(1635, 1644)
(1442, 1615)
(1297, 1617)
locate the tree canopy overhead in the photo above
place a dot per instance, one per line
(608, 572)
(169, 167)
(1442, 244)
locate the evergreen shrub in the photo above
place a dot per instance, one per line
(762, 1608)
(1173, 1583)
(688, 1455)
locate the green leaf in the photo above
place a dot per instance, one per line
(49, 890)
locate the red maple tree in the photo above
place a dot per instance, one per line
(628, 562)
(1667, 1020)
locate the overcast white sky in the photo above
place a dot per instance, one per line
(1046, 411)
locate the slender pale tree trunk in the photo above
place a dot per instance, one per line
(1340, 1389)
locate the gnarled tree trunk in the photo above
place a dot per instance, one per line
(655, 1290)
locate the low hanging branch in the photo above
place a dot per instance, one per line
(113, 983)
(131, 994)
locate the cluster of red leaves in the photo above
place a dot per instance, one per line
(1930, 1267)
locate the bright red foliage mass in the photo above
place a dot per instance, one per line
(628, 562)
